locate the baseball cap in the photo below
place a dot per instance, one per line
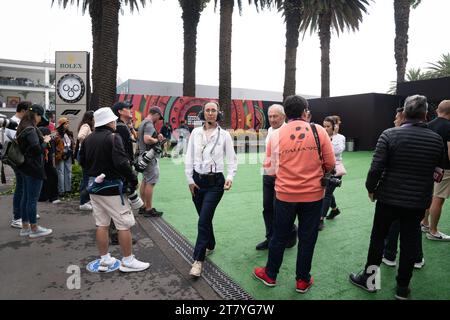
(121, 105)
(156, 109)
(38, 109)
(104, 116)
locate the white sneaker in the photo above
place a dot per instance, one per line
(86, 207)
(419, 265)
(439, 236)
(25, 232)
(16, 224)
(424, 228)
(134, 266)
(40, 232)
(56, 201)
(389, 263)
(105, 264)
(196, 269)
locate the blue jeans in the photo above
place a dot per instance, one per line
(206, 200)
(31, 191)
(64, 169)
(18, 194)
(309, 214)
(84, 195)
(329, 199)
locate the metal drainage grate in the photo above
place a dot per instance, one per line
(216, 278)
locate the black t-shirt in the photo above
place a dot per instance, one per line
(442, 127)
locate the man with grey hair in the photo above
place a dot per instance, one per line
(277, 119)
(440, 125)
(400, 180)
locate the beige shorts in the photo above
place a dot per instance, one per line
(105, 208)
(442, 189)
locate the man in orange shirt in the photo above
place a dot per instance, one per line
(298, 154)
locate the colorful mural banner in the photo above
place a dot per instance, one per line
(245, 114)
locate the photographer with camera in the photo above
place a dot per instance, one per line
(148, 138)
(10, 135)
(64, 156)
(298, 154)
(103, 157)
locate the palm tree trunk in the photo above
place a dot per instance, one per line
(292, 12)
(107, 77)
(95, 12)
(191, 18)
(226, 24)
(401, 12)
(325, 40)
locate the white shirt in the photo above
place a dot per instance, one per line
(338, 141)
(11, 134)
(201, 157)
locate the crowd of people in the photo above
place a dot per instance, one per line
(409, 179)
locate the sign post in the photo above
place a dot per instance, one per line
(72, 86)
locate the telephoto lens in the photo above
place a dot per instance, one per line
(135, 201)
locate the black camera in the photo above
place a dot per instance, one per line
(329, 180)
(142, 161)
(8, 124)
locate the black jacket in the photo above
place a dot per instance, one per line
(103, 152)
(32, 145)
(125, 134)
(402, 169)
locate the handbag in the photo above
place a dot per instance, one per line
(340, 169)
(14, 156)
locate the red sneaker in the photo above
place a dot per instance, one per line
(260, 274)
(303, 286)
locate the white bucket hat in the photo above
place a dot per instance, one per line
(104, 116)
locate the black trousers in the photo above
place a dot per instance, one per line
(269, 208)
(409, 220)
(49, 191)
(391, 243)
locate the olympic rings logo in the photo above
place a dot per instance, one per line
(71, 90)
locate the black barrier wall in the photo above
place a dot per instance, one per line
(435, 90)
(364, 117)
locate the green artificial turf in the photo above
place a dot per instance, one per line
(341, 248)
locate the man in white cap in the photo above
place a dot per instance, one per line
(103, 157)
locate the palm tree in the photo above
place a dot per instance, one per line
(322, 15)
(402, 9)
(105, 37)
(411, 75)
(441, 68)
(292, 11)
(192, 10)
(226, 26)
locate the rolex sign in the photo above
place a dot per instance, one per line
(72, 86)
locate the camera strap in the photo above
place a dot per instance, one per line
(319, 149)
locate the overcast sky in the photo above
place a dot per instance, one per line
(151, 44)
